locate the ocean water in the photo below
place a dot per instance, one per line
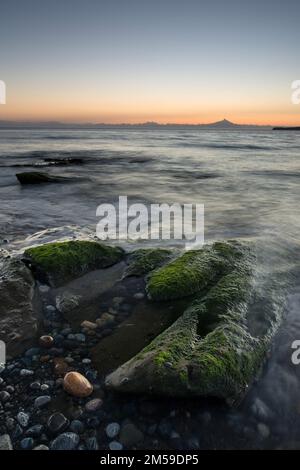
(248, 182)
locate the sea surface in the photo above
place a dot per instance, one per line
(248, 182)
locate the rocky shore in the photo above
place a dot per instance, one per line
(111, 350)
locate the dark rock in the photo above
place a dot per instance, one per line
(115, 445)
(18, 323)
(23, 419)
(4, 396)
(34, 431)
(27, 443)
(42, 401)
(77, 426)
(36, 177)
(57, 423)
(130, 435)
(65, 441)
(18, 431)
(92, 443)
(165, 428)
(93, 405)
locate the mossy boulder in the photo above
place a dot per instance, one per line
(58, 263)
(36, 177)
(210, 350)
(193, 271)
(145, 260)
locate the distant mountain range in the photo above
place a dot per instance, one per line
(220, 125)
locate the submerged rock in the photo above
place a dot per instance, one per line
(58, 263)
(36, 177)
(18, 322)
(210, 350)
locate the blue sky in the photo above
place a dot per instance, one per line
(116, 61)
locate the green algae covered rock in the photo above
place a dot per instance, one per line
(210, 350)
(193, 271)
(145, 260)
(58, 263)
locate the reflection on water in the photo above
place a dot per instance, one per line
(249, 184)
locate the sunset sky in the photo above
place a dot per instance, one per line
(160, 60)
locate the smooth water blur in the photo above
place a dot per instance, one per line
(248, 181)
(249, 184)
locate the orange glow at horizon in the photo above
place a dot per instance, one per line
(90, 107)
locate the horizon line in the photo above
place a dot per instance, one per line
(143, 123)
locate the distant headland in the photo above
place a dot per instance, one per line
(286, 128)
(219, 125)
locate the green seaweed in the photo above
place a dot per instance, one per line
(60, 262)
(193, 271)
(145, 260)
(209, 350)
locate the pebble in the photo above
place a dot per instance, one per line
(35, 385)
(18, 431)
(86, 360)
(112, 430)
(80, 337)
(23, 419)
(43, 288)
(77, 426)
(93, 405)
(77, 385)
(263, 430)
(10, 424)
(57, 423)
(65, 441)
(32, 352)
(41, 447)
(89, 325)
(41, 401)
(50, 308)
(261, 410)
(26, 372)
(61, 367)
(92, 443)
(46, 341)
(35, 431)
(5, 442)
(27, 443)
(106, 319)
(130, 435)
(44, 387)
(4, 396)
(139, 295)
(115, 445)
(165, 428)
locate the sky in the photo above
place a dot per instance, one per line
(116, 61)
